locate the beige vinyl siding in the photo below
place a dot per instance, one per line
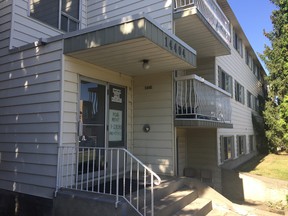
(29, 119)
(5, 26)
(153, 105)
(105, 11)
(26, 29)
(236, 67)
(205, 69)
(202, 152)
(181, 150)
(73, 70)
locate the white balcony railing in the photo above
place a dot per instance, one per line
(212, 13)
(113, 171)
(199, 99)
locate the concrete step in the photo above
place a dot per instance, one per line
(216, 212)
(167, 186)
(173, 202)
(199, 207)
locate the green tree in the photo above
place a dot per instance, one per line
(276, 60)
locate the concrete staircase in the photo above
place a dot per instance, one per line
(176, 197)
(173, 197)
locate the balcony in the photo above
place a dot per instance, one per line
(202, 25)
(199, 103)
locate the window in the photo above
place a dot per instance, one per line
(248, 60)
(250, 100)
(239, 92)
(256, 71)
(64, 17)
(225, 81)
(237, 43)
(251, 143)
(241, 145)
(227, 147)
(256, 108)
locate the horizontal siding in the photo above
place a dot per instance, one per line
(105, 11)
(206, 69)
(154, 107)
(75, 68)
(30, 97)
(236, 66)
(5, 26)
(25, 29)
(181, 151)
(202, 153)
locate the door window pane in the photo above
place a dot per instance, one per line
(92, 114)
(117, 110)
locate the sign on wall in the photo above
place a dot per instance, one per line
(115, 125)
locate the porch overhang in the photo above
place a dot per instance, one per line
(122, 46)
(192, 27)
(200, 123)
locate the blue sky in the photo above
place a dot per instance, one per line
(254, 16)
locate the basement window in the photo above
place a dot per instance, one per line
(227, 147)
(241, 145)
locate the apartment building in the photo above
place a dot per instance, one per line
(92, 90)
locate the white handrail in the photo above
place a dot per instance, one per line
(113, 171)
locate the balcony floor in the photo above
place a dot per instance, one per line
(201, 123)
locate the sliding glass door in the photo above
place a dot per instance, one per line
(92, 114)
(102, 115)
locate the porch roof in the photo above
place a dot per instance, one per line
(122, 46)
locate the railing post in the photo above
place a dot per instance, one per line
(152, 195)
(117, 180)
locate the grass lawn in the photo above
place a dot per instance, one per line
(272, 165)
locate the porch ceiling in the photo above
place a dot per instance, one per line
(122, 46)
(192, 28)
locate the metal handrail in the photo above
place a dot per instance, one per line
(113, 171)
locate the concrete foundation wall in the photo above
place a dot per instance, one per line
(75, 203)
(258, 188)
(247, 187)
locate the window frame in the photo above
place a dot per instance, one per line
(239, 92)
(250, 100)
(251, 143)
(249, 60)
(227, 140)
(237, 43)
(61, 14)
(225, 81)
(241, 145)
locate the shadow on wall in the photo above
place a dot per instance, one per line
(232, 185)
(16, 204)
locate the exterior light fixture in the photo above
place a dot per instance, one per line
(146, 128)
(145, 64)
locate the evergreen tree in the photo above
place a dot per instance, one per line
(276, 60)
